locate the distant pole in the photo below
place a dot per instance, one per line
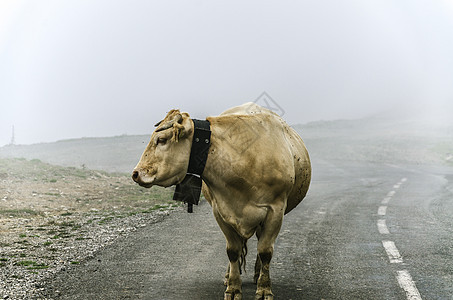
(13, 138)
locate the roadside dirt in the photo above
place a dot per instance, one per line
(52, 218)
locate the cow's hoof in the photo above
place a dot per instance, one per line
(233, 296)
(260, 296)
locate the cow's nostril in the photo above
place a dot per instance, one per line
(135, 175)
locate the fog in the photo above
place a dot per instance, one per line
(72, 69)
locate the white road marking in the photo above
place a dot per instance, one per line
(382, 210)
(382, 227)
(408, 285)
(392, 252)
(404, 278)
(386, 200)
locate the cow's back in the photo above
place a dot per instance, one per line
(248, 108)
(295, 147)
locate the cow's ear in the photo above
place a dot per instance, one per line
(186, 128)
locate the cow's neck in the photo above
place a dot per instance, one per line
(221, 154)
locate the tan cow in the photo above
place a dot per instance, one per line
(257, 170)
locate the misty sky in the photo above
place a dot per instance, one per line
(78, 68)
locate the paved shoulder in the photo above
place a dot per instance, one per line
(165, 260)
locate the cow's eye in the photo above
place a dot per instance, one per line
(161, 141)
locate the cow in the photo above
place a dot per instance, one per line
(257, 170)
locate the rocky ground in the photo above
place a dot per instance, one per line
(53, 218)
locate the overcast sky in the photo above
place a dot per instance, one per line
(79, 68)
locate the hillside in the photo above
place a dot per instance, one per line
(381, 138)
(111, 154)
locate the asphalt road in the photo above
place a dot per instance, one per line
(365, 231)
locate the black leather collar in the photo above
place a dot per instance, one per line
(189, 189)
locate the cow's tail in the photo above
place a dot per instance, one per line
(242, 261)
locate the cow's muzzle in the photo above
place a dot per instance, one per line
(145, 181)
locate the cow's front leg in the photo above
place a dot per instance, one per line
(234, 244)
(227, 274)
(234, 283)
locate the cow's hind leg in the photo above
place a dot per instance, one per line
(257, 269)
(258, 260)
(269, 232)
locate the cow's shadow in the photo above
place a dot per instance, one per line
(214, 289)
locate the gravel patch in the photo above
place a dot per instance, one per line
(57, 244)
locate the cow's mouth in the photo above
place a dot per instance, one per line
(145, 185)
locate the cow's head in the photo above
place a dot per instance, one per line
(166, 158)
